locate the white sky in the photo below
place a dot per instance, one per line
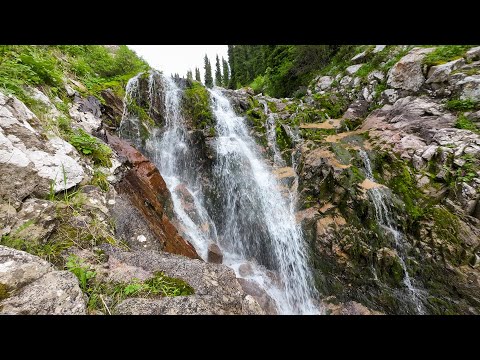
(179, 59)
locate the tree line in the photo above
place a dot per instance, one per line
(277, 70)
(222, 74)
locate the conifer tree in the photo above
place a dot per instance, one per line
(226, 78)
(218, 73)
(208, 73)
(197, 75)
(231, 62)
(189, 75)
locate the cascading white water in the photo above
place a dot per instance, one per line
(258, 223)
(169, 151)
(380, 199)
(251, 222)
(270, 127)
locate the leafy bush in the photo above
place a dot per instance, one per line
(80, 270)
(88, 145)
(258, 85)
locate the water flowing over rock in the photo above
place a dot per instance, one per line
(147, 190)
(246, 218)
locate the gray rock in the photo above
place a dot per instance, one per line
(86, 120)
(216, 288)
(34, 287)
(18, 268)
(379, 48)
(429, 152)
(473, 54)
(352, 69)
(260, 295)
(29, 163)
(360, 57)
(69, 90)
(185, 305)
(440, 73)
(214, 254)
(36, 220)
(407, 73)
(56, 293)
(323, 83)
(390, 96)
(470, 88)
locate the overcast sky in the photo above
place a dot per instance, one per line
(179, 59)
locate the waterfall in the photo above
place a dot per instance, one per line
(251, 222)
(270, 127)
(381, 201)
(258, 223)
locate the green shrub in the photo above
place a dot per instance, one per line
(80, 270)
(88, 145)
(461, 105)
(258, 85)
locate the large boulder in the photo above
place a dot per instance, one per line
(407, 73)
(30, 285)
(217, 290)
(31, 163)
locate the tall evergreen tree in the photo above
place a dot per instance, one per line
(189, 75)
(197, 75)
(226, 78)
(208, 72)
(218, 73)
(231, 62)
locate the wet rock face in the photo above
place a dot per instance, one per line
(147, 191)
(30, 285)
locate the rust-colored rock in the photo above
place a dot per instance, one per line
(148, 192)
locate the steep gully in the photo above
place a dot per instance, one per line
(251, 222)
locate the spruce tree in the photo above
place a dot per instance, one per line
(218, 73)
(226, 78)
(231, 62)
(208, 73)
(189, 75)
(197, 75)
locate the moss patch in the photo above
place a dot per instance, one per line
(4, 293)
(196, 105)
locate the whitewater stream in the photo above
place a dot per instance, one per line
(252, 223)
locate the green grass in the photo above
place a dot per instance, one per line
(464, 123)
(159, 285)
(461, 105)
(446, 53)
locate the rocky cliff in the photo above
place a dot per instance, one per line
(413, 114)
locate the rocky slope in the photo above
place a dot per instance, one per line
(418, 125)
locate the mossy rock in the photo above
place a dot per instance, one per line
(4, 292)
